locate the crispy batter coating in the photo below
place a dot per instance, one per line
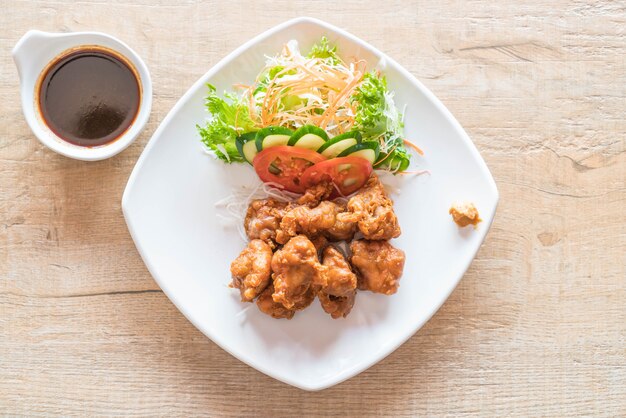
(374, 210)
(378, 264)
(337, 279)
(320, 242)
(345, 224)
(308, 221)
(290, 279)
(265, 303)
(337, 284)
(314, 195)
(251, 269)
(328, 219)
(263, 219)
(337, 306)
(295, 268)
(465, 214)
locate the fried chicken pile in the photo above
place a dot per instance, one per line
(290, 259)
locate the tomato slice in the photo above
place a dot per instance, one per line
(348, 173)
(285, 165)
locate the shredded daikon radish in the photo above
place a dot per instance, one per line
(233, 207)
(318, 92)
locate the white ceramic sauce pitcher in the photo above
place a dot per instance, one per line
(32, 54)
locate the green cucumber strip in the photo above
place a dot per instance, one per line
(277, 136)
(366, 154)
(307, 130)
(309, 141)
(273, 169)
(275, 141)
(241, 141)
(338, 147)
(249, 151)
(368, 150)
(347, 135)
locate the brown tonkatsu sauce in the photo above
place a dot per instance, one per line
(89, 97)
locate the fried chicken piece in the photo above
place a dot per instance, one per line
(263, 219)
(374, 211)
(345, 225)
(315, 194)
(337, 306)
(251, 269)
(295, 269)
(308, 221)
(328, 219)
(319, 242)
(378, 264)
(337, 279)
(337, 284)
(265, 303)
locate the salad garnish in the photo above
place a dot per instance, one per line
(318, 102)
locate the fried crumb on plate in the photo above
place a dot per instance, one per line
(464, 214)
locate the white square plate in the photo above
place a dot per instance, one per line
(169, 206)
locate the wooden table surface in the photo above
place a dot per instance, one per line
(536, 327)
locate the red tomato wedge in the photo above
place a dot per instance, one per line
(285, 165)
(348, 173)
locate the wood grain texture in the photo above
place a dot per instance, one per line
(537, 326)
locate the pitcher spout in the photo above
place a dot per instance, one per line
(28, 49)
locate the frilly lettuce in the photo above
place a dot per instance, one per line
(230, 118)
(325, 51)
(378, 119)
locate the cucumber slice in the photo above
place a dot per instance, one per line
(247, 151)
(272, 137)
(340, 143)
(310, 141)
(274, 141)
(335, 149)
(368, 150)
(309, 137)
(351, 134)
(396, 163)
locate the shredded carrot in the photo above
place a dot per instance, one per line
(416, 172)
(388, 154)
(331, 112)
(321, 92)
(415, 147)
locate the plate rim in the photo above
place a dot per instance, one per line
(381, 353)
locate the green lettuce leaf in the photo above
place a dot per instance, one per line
(324, 50)
(378, 120)
(230, 118)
